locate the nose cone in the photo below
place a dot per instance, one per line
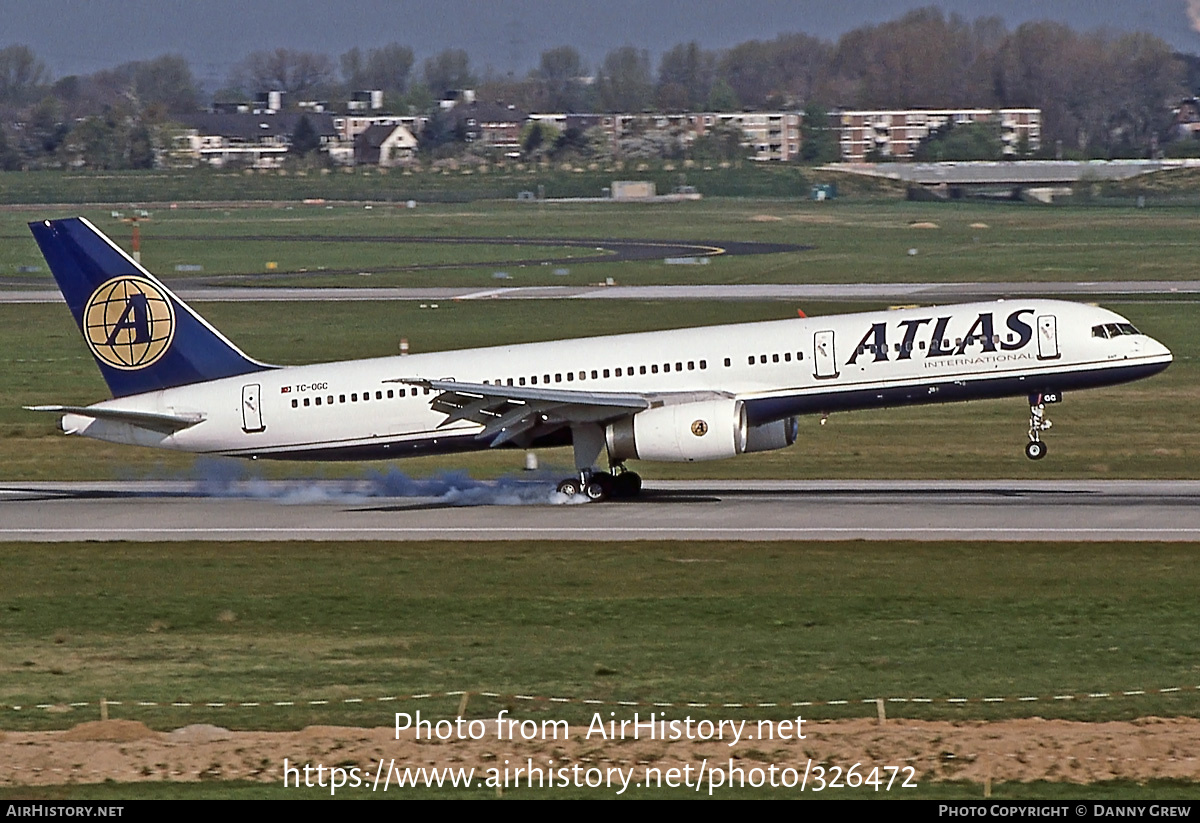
(1157, 354)
(1156, 349)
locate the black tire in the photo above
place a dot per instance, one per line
(598, 491)
(1035, 449)
(569, 487)
(627, 484)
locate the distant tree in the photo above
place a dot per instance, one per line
(539, 140)
(746, 70)
(720, 144)
(624, 82)
(305, 138)
(559, 76)
(298, 73)
(22, 75)
(722, 97)
(10, 158)
(685, 76)
(968, 141)
(571, 143)
(139, 148)
(45, 130)
(388, 68)
(818, 137)
(419, 99)
(449, 70)
(166, 82)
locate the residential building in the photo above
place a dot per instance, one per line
(896, 133)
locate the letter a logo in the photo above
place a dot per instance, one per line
(128, 323)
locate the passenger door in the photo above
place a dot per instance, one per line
(824, 356)
(1047, 337)
(252, 420)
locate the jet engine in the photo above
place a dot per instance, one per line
(778, 434)
(681, 433)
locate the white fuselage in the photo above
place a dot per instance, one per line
(358, 409)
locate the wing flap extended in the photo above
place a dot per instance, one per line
(154, 421)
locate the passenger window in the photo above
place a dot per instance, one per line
(774, 358)
(354, 397)
(654, 368)
(642, 369)
(521, 381)
(379, 395)
(295, 403)
(704, 364)
(306, 401)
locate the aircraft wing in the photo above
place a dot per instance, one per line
(522, 413)
(155, 421)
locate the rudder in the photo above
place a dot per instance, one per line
(141, 335)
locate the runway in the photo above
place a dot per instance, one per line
(466, 510)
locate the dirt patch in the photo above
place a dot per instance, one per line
(980, 226)
(924, 225)
(109, 731)
(765, 218)
(1017, 750)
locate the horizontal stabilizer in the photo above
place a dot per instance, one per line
(155, 421)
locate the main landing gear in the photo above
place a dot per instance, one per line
(600, 486)
(588, 442)
(1035, 449)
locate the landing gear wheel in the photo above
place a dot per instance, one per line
(570, 487)
(627, 484)
(598, 491)
(1035, 449)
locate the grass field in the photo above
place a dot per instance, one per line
(674, 622)
(645, 622)
(853, 242)
(1146, 430)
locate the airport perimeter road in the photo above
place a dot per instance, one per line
(522, 510)
(907, 292)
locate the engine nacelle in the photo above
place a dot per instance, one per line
(778, 434)
(681, 433)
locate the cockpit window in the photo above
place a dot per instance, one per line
(1109, 330)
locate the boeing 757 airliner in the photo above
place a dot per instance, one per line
(685, 395)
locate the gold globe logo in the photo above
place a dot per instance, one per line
(699, 428)
(128, 322)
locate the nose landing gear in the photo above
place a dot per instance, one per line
(1035, 449)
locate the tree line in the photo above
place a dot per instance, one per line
(1102, 94)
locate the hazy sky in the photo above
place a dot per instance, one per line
(81, 36)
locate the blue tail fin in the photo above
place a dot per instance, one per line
(143, 337)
